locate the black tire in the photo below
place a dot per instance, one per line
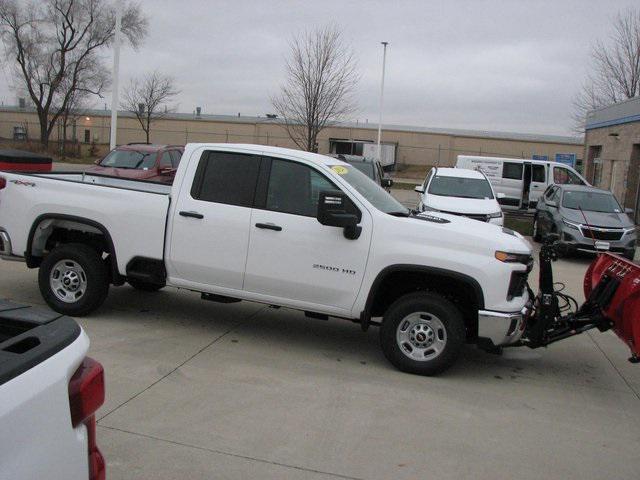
(144, 286)
(629, 255)
(446, 313)
(537, 236)
(96, 278)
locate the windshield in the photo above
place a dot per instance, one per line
(374, 193)
(366, 168)
(129, 159)
(460, 187)
(591, 201)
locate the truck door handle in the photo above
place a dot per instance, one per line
(191, 214)
(269, 226)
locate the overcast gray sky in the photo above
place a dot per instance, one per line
(493, 65)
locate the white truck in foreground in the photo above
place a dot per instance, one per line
(280, 227)
(49, 392)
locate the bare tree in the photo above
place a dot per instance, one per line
(318, 91)
(615, 72)
(147, 99)
(56, 46)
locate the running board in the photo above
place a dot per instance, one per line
(212, 297)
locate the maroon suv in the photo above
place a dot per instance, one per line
(141, 161)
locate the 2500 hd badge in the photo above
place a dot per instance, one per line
(348, 271)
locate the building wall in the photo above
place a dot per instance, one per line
(619, 160)
(412, 148)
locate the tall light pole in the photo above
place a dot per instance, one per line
(384, 61)
(116, 73)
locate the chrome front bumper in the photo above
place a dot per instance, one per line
(501, 328)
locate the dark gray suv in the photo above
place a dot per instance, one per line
(586, 218)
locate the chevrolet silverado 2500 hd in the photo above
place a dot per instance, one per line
(49, 392)
(276, 226)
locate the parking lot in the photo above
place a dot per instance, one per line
(204, 390)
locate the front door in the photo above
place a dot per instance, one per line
(211, 224)
(292, 257)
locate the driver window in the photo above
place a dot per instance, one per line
(295, 188)
(563, 176)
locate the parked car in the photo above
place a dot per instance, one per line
(280, 227)
(521, 181)
(49, 393)
(141, 161)
(459, 191)
(22, 161)
(371, 168)
(586, 218)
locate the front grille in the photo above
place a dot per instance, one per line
(517, 284)
(601, 234)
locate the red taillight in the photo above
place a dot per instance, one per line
(86, 395)
(3, 182)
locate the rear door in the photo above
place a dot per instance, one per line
(511, 184)
(538, 183)
(292, 257)
(210, 226)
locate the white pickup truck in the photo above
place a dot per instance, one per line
(49, 392)
(281, 227)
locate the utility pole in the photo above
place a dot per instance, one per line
(384, 61)
(115, 73)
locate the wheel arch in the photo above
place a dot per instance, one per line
(400, 279)
(68, 222)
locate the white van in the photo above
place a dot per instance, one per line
(521, 181)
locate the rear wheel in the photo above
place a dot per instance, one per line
(144, 286)
(73, 279)
(422, 333)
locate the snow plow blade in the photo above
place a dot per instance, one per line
(612, 284)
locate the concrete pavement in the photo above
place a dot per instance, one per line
(203, 390)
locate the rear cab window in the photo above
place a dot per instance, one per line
(225, 177)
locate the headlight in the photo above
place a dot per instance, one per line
(495, 215)
(575, 226)
(630, 231)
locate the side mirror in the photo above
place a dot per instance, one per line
(629, 211)
(551, 203)
(387, 183)
(500, 195)
(335, 209)
(418, 188)
(97, 161)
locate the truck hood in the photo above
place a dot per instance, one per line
(471, 235)
(597, 219)
(461, 205)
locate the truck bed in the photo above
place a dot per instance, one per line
(133, 212)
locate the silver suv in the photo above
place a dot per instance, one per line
(586, 219)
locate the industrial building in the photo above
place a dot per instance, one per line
(402, 145)
(612, 151)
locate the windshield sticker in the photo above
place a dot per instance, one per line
(340, 170)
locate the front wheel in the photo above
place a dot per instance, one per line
(73, 279)
(422, 333)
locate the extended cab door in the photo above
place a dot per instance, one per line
(211, 222)
(292, 258)
(538, 183)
